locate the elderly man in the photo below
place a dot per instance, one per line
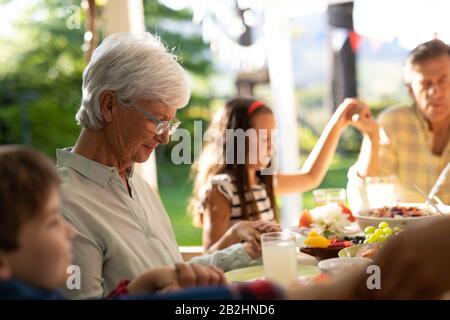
(410, 142)
(132, 88)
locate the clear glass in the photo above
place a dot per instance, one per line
(325, 196)
(279, 255)
(382, 191)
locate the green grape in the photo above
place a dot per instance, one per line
(383, 225)
(369, 230)
(366, 241)
(373, 238)
(387, 231)
(396, 229)
(379, 232)
(381, 238)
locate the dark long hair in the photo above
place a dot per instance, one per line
(232, 116)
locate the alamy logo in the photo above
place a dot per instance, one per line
(74, 278)
(238, 146)
(374, 280)
(74, 17)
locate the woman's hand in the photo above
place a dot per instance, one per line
(252, 230)
(266, 226)
(184, 275)
(245, 231)
(251, 235)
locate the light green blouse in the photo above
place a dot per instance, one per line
(120, 236)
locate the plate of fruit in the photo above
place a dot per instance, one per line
(375, 238)
(323, 248)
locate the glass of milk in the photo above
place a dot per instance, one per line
(382, 191)
(279, 254)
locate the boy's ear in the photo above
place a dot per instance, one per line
(107, 101)
(5, 270)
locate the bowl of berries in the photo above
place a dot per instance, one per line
(322, 248)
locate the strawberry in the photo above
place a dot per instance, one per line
(347, 243)
(335, 243)
(346, 210)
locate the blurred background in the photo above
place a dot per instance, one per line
(336, 49)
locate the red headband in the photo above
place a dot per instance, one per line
(255, 105)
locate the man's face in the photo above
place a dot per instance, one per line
(430, 86)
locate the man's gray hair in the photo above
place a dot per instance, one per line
(134, 66)
(424, 52)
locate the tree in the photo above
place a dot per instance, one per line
(45, 63)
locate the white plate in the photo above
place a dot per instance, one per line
(402, 222)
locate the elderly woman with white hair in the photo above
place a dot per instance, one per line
(132, 88)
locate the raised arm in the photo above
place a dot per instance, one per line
(368, 164)
(318, 162)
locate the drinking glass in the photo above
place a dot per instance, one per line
(279, 254)
(381, 191)
(325, 196)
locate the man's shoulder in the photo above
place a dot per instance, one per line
(397, 110)
(396, 115)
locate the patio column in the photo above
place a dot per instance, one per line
(128, 16)
(278, 41)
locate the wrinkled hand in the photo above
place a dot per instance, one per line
(252, 230)
(253, 248)
(252, 237)
(246, 231)
(266, 226)
(184, 275)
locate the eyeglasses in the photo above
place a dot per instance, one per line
(161, 125)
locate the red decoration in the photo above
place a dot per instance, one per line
(355, 41)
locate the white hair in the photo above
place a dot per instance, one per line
(134, 66)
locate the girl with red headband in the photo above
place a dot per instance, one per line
(235, 201)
